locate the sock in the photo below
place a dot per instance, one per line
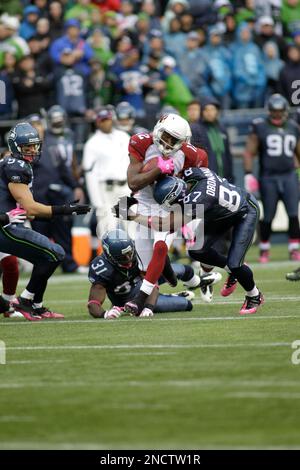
(157, 262)
(147, 287)
(8, 298)
(264, 245)
(194, 282)
(27, 295)
(294, 230)
(10, 275)
(265, 230)
(253, 293)
(38, 305)
(293, 244)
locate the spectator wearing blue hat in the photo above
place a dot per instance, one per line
(248, 70)
(81, 51)
(219, 63)
(28, 25)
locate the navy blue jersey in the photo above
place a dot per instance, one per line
(12, 170)
(71, 92)
(276, 146)
(54, 167)
(220, 199)
(118, 282)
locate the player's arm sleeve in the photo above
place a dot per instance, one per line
(134, 149)
(17, 172)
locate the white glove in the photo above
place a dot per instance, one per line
(146, 312)
(17, 216)
(251, 183)
(113, 313)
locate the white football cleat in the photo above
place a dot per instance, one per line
(206, 283)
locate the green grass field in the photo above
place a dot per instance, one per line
(196, 380)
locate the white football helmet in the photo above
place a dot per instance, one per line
(170, 132)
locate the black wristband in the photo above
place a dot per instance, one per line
(248, 172)
(58, 210)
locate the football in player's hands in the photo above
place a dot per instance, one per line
(165, 164)
(149, 165)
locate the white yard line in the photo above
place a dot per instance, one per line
(146, 346)
(158, 317)
(265, 395)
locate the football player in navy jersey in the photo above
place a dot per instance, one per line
(276, 141)
(16, 177)
(116, 274)
(225, 207)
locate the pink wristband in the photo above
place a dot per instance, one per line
(96, 302)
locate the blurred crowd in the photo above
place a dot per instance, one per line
(81, 54)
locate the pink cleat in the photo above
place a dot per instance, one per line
(264, 256)
(24, 306)
(295, 255)
(251, 304)
(229, 286)
(45, 312)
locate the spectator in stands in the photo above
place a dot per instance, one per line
(101, 46)
(149, 8)
(290, 73)
(199, 135)
(110, 25)
(177, 93)
(203, 13)
(187, 22)
(248, 70)
(127, 18)
(105, 163)
(175, 40)
(266, 33)
(219, 65)
(56, 18)
(230, 32)
(54, 182)
(10, 39)
(82, 11)
(80, 51)
(290, 15)
(142, 30)
(155, 44)
(154, 88)
(193, 63)
(6, 102)
(31, 86)
(130, 79)
(174, 8)
(42, 5)
(273, 65)
(28, 25)
(219, 154)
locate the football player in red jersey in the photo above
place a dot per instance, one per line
(169, 144)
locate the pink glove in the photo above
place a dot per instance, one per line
(113, 313)
(251, 183)
(165, 166)
(17, 216)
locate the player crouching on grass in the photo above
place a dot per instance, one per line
(116, 274)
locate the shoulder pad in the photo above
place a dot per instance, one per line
(138, 145)
(100, 271)
(17, 171)
(194, 156)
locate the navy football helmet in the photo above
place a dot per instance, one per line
(278, 108)
(56, 118)
(125, 116)
(119, 248)
(24, 142)
(167, 191)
